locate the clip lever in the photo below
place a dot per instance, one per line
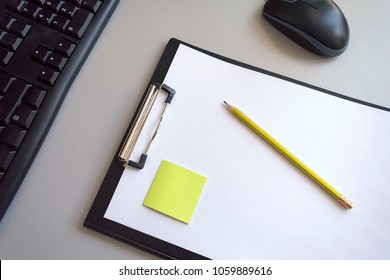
(135, 131)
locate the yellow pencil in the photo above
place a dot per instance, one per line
(290, 156)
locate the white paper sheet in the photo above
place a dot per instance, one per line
(256, 204)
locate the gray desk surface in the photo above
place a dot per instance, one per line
(45, 219)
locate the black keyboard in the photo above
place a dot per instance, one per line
(43, 44)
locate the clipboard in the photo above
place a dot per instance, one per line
(170, 249)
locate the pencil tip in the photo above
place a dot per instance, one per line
(230, 107)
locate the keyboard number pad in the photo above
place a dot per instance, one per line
(69, 16)
(12, 33)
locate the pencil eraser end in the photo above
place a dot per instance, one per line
(345, 202)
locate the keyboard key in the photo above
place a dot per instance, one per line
(23, 116)
(6, 157)
(48, 76)
(92, 5)
(5, 56)
(13, 136)
(15, 5)
(65, 47)
(5, 82)
(5, 22)
(40, 54)
(68, 10)
(76, 2)
(39, 2)
(79, 23)
(60, 23)
(30, 10)
(45, 16)
(12, 99)
(10, 41)
(53, 5)
(34, 97)
(56, 61)
(19, 28)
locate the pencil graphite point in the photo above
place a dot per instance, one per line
(230, 107)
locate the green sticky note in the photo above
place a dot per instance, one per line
(175, 191)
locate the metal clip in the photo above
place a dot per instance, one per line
(135, 131)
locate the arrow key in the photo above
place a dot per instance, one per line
(48, 76)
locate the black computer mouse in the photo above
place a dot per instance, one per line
(317, 25)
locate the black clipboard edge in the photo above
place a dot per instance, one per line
(95, 219)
